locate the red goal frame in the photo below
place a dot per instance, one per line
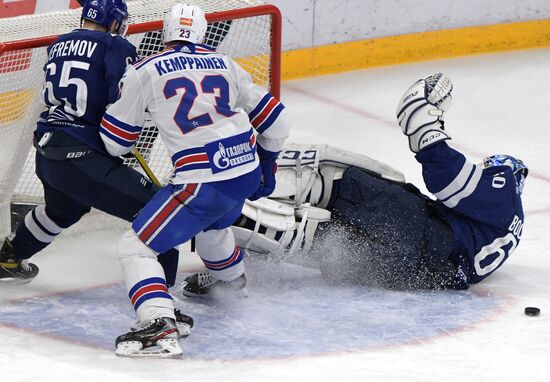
(241, 13)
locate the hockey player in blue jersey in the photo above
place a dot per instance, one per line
(402, 239)
(359, 222)
(82, 74)
(481, 204)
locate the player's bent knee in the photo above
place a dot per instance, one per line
(210, 242)
(131, 246)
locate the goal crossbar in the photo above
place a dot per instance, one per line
(261, 10)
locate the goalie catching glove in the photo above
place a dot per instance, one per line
(421, 111)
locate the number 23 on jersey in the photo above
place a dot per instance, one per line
(215, 85)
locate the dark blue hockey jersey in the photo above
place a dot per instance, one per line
(82, 75)
(484, 209)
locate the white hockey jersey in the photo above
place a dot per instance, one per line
(207, 109)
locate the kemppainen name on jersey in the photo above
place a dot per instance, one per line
(169, 65)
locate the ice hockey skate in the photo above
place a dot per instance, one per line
(13, 270)
(184, 323)
(203, 284)
(157, 339)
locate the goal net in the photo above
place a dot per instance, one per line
(247, 30)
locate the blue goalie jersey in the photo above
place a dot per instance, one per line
(82, 75)
(484, 209)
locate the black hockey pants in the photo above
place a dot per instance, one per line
(73, 186)
(384, 234)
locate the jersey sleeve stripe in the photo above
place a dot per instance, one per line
(118, 132)
(270, 119)
(115, 139)
(467, 191)
(260, 106)
(191, 159)
(183, 153)
(193, 166)
(458, 182)
(118, 123)
(264, 113)
(464, 184)
(197, 159)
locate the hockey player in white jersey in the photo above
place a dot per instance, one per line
(223, 134)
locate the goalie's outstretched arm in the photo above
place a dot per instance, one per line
(486, 192)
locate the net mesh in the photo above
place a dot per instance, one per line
(248, 40)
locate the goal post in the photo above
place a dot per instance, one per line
(249, 31)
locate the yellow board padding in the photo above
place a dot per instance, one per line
(414, 47)
(14, 104)
(256, 67)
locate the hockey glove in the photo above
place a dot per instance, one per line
(421, 111)
(269, 168)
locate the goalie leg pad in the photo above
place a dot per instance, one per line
(307, 172)
(269, 226)
(274, 219)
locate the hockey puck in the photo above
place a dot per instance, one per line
(532, 311)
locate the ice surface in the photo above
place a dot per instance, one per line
(283, 316)
(294, 326)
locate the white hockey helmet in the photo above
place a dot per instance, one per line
(185, 22)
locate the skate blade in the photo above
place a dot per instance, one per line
(181, 289)
(236, 294)
(15, 281)
(165, 348)
(243, 293)
(184, 330)
(196, 295)
(217, 293)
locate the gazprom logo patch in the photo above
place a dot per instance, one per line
(233, 156)
(230, 152)
(220, 158)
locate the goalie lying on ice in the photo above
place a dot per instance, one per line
(359, 222)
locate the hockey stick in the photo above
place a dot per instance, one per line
(145, 166)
